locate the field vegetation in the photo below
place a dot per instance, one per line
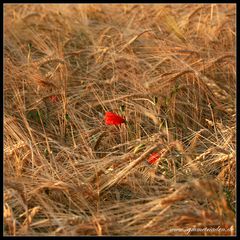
(168, 70)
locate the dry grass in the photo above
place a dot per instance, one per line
(169, 69)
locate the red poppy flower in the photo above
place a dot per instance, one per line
(153, 158)
(53, 98)
(113, 119)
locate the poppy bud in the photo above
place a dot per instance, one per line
(53, 98)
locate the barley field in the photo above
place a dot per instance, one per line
(119, 119)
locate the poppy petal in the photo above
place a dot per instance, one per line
(113, 119)
(153, 158)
